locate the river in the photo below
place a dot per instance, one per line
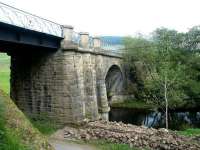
(178, 120)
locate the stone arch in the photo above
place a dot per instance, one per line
(113, 81)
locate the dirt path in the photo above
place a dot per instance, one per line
(60, 145)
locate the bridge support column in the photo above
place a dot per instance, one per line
(103, 106)
(89, 74)
(74, 85)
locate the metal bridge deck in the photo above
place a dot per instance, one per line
(19, 18)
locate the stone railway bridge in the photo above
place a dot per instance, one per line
(56, 72)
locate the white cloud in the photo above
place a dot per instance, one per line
(115, 17)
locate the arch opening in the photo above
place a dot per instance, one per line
(114, 82)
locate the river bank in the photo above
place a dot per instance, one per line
(141, 113)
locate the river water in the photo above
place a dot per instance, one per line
(178, 120)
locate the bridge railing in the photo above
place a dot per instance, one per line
(76, 38)
(104, 46)
(91, 42)
(111, 46)
(19, 18)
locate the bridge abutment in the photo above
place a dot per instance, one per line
(38, 85)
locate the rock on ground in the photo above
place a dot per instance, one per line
(135, 136)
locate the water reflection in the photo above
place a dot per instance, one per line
(156, 119)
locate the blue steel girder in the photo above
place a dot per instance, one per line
(19, 18)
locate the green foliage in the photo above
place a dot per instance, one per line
(168, 57)
(8, 140)
(138, 49)
(45, 125)
(192, 39)
(105, 145)
(134, 104)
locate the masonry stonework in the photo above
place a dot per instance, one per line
(67, 85)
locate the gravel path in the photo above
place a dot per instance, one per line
(58, 145)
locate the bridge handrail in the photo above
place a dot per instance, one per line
(20, 18)
(111, 45)
(91, 42)
(75, 37)
(13, 16)
(106, 45)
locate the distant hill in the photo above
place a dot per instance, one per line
(117, 40)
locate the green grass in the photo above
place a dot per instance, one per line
(8, 140)
(133, 104)
(44, 123)
(5, 81)
(190, 132)
(5, 72)
(106, 145)
(16, 131)
(46, 127)
(4, 58)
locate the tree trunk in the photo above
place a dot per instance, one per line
(166, 103)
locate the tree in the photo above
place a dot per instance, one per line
(165, 79)
(138, 57)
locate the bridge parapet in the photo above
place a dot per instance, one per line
(85, 43)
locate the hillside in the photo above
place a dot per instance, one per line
(16, 132)
(113, 39)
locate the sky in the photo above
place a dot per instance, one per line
(115, 17)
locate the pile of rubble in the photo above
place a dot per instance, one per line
(135, 136)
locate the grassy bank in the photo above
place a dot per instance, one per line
(4, 81)
(105, 145)
(190, 132)
(16, 132)
(46, 126)
(8, 140)
(133, 104)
